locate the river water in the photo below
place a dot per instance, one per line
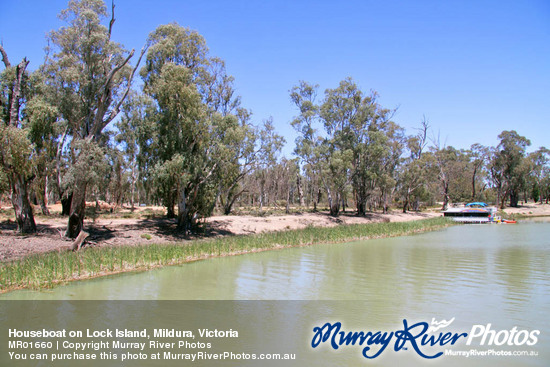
(473, 274)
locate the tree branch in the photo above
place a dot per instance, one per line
(16, 92)
(5, 57)
(112, 18)
(116, 110)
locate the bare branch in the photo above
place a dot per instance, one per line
(14, 100)
(105, 99)
(112, 18)
(5, 57)
(115, 111)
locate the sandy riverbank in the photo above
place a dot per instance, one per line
(132, 231)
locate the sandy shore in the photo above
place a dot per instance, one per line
(122, 231)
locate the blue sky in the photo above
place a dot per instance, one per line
(473, 68)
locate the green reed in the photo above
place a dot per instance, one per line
(49, 269)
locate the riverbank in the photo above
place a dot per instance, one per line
(49, 269)
(146, 225)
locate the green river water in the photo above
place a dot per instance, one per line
(476, 274)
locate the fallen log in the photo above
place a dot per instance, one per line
(77, 244)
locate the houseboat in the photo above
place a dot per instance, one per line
(473, 213)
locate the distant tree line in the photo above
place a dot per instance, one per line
(75, 130)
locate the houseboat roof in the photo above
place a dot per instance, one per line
(477, 203)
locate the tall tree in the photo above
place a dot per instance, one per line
(412, 176)
(479, 156)
(15, 147)
(138, 112)
(200, 133)
(540, 160)
(307, 143)
(451, 166)
(508, 165)
(92, 77)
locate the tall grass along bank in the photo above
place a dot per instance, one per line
(47, 270)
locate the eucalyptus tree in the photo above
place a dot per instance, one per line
(135, 124)
(359, 147)
(338, 113)
(201, 144)
(495, 167)
(508, 168)
(241, 142)
(326, 158)
(15, 146)
(451, 167)
(460, 170)
(185, 148)
(272, 144)
(92, 76)
(389, 173)
(308, 141)
(249, 149)
(479, 156)
(541, 171)
(413, 174)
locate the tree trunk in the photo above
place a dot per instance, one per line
(169, 202)
(361, 207)
(502, 199)
(133, 187)
(300, 190)
(44, 206)
(445, 195)
(474, 185)
(66, 205)
(184, 224)
(261, 198)
(22, 205)
(406, 203)
(42, 196)
(514, 199)
(287, 207)
(334, 204)
(186, 217)
(77, 211)
(335, 209)
(170, 212)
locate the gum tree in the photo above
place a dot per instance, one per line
(91, 75)
(15, 146)
(508, 166)
(200, 145)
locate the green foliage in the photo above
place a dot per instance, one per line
(90, 165)
(195, 134)
(361, 145)
(15, 150)
(85, 63)
(509, 168)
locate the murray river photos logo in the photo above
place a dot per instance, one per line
(425, 339)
